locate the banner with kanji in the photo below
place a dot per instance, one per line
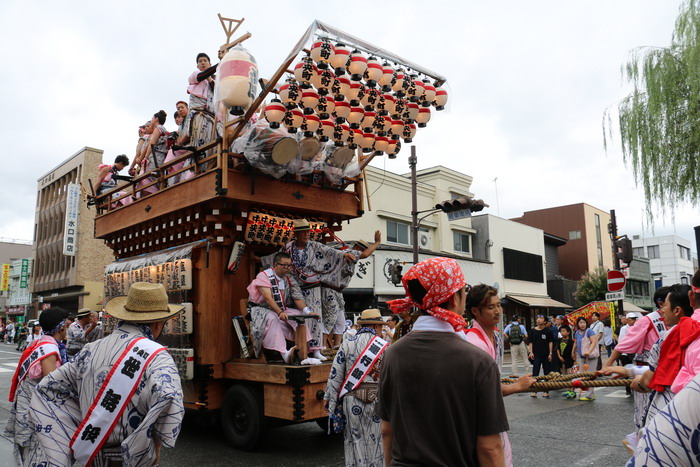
(604, 308)
(274, 230)
(5, 282)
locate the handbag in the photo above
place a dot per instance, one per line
(585, 343)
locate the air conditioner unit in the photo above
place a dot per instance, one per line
(425, 240)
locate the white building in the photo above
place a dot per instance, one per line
(669, 256)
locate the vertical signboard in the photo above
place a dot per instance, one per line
(5, 281)
(70, 229)
(24, 274)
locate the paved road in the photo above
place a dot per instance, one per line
(552, 432)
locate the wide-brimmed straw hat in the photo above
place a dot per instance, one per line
(83, 312)
(370, 316)
(145, 303)
(362, 244)
(301, 224)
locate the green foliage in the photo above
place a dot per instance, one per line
(592, 286)
(660, 119)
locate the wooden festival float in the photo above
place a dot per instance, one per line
(339, 102)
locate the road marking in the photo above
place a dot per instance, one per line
(619, 393)
(11, 365)
(6, 370)
(13, 353)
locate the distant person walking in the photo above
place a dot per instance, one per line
(541, 349)
(516, 334)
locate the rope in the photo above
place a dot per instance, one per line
(554, 380)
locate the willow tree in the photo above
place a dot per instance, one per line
(659, 121)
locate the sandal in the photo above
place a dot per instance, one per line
(545, 395)
(534, 394)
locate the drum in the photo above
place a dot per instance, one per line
(338, 156)
(275, 146)
(309, 147)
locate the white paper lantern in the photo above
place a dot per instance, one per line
(322, 52)
(274, 113)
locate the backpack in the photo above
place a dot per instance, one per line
(515, 336)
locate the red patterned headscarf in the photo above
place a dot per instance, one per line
(441, 278)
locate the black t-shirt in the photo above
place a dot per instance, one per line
(540, 340)
(439, 393)
(566, 346)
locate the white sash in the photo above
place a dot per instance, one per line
(39, 353)
(364, 363)
(657, 325)
(112, 399)
(276, 294)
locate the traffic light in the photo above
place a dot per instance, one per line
(461, 203)
(395, 270)
(623, 249)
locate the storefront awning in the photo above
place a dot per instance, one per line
(632, 307)
(537, 301)
(63, 296)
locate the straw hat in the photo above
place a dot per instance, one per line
(371, 316)
(362, 244)
(146, 303)
(301, 225)
(83, 312)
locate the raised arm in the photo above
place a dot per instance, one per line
(374, 246)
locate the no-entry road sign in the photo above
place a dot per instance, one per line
(616, 281)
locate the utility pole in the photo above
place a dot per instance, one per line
(412, 162)
(613, 237)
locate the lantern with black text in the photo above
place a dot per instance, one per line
(355, 117)
(355, 138)
(388, 77)
(399, 107)
(411, 88)
(382, 125)
(396, 128)
(412, 109)
(340, 59)
(342, 110)
(381, 143)
(393, 149)
(304, 71)
(357, 65)
(373, 72)
(380, 106)
(274, 113)
(420, 87)
(290, 93)
(356, 93)
(341, 87)
(325, 81)
(347, 132)
(293, 119)
(325, 131)
(423, 117)
(371, 99)
(409, 131)
(338, 137)
(238, 80)
(369, 119)
(322, 52)
(440, 98)
(311, 125)
(325, 106)
(389, 103)
(309, 100)
(367, 141)
(398, 86)
(429, 96)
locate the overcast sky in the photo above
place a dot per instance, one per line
(528, 82)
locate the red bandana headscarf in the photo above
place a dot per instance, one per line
(441, 278)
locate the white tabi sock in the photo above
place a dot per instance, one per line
(317, 354)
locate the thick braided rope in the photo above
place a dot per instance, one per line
(583, 384)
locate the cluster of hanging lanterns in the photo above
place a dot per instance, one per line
(356, 101)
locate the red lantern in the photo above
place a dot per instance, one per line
(440, 98)
(340, 59)
(325, 106)
(355, 117)
(429, 96)
(309, 100)
(311, 125)
(322, 52)
(374, 72)
(357, 65)
(325, 131)
(423, 117)
(368, 121)
(409, 131)
(342, 111)
(290, 93)
(357, 92)
(274, 113)
(388, 77)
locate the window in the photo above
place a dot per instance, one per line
(653, 251)
(638, 251)
(574, 234)
(522, 266)
(461, 242)
(685, 252)
(684, 280)
(397, 232)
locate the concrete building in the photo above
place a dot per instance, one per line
(11, 251)
(669, 257)
(639, 289)
(585, 228)
(71, 282)
(19, 298)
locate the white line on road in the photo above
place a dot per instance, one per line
(6, 370)
(11, 365)
(619, 393)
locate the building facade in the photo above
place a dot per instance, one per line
(71, 282)
(639, 289)
(585, 228)
(669, 256)
(10, 252)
